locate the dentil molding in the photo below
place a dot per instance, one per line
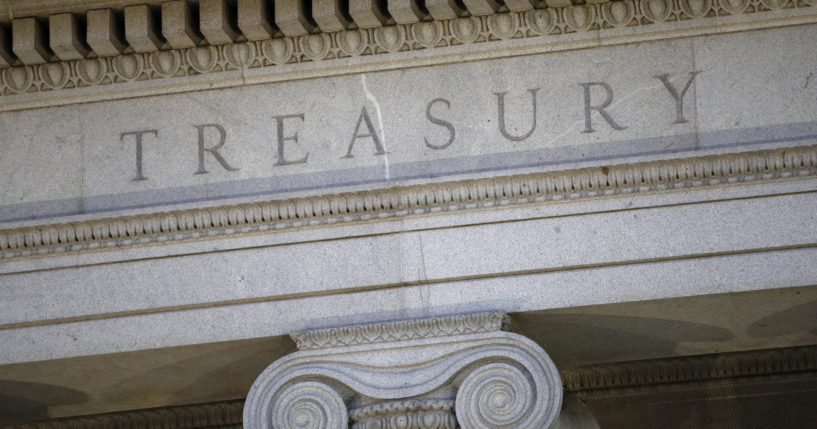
(54, 64)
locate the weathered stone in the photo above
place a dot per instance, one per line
(178, 26)
(104, 33)
(142, 29)
(253, 20)
(406, 11)
(291, 19)
(216, 21)
(592, 168)
(28, 41)
(329, 16)
(444, 9)
(366, 13)
(67, 39)
(482, 7)
(520, 5)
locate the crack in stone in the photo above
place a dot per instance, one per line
(373, 99)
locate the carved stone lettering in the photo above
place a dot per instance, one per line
(679, 98)
(515, 126)
(212, 150)
(588, 107)
(364, 117)
(500, 104)
(451, 132)
(138, 138)
(279, 120)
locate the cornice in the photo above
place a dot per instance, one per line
(159, 69)
(536, 188)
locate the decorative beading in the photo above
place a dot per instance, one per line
(252, 218)
(401, 331)
(406, 414)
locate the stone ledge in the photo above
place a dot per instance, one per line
(536, 188)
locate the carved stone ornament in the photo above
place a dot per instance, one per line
(457, 196)
(146, 68)
(452, 372)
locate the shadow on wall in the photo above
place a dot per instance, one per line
(200, 379)
(728, 404)
(30, 401)
(799, 319)
(585, 339)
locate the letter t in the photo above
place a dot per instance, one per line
(138, 137)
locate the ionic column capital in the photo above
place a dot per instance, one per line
(409, 374)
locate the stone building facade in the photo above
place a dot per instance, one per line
(408, 214)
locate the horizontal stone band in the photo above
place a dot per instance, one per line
(148, 63)
(248, 218)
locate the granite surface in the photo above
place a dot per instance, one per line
(593, 107)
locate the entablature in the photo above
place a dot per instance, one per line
(56, 53)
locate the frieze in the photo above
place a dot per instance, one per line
(285, 58)
(536, 188)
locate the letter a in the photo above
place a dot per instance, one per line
(364, 117)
